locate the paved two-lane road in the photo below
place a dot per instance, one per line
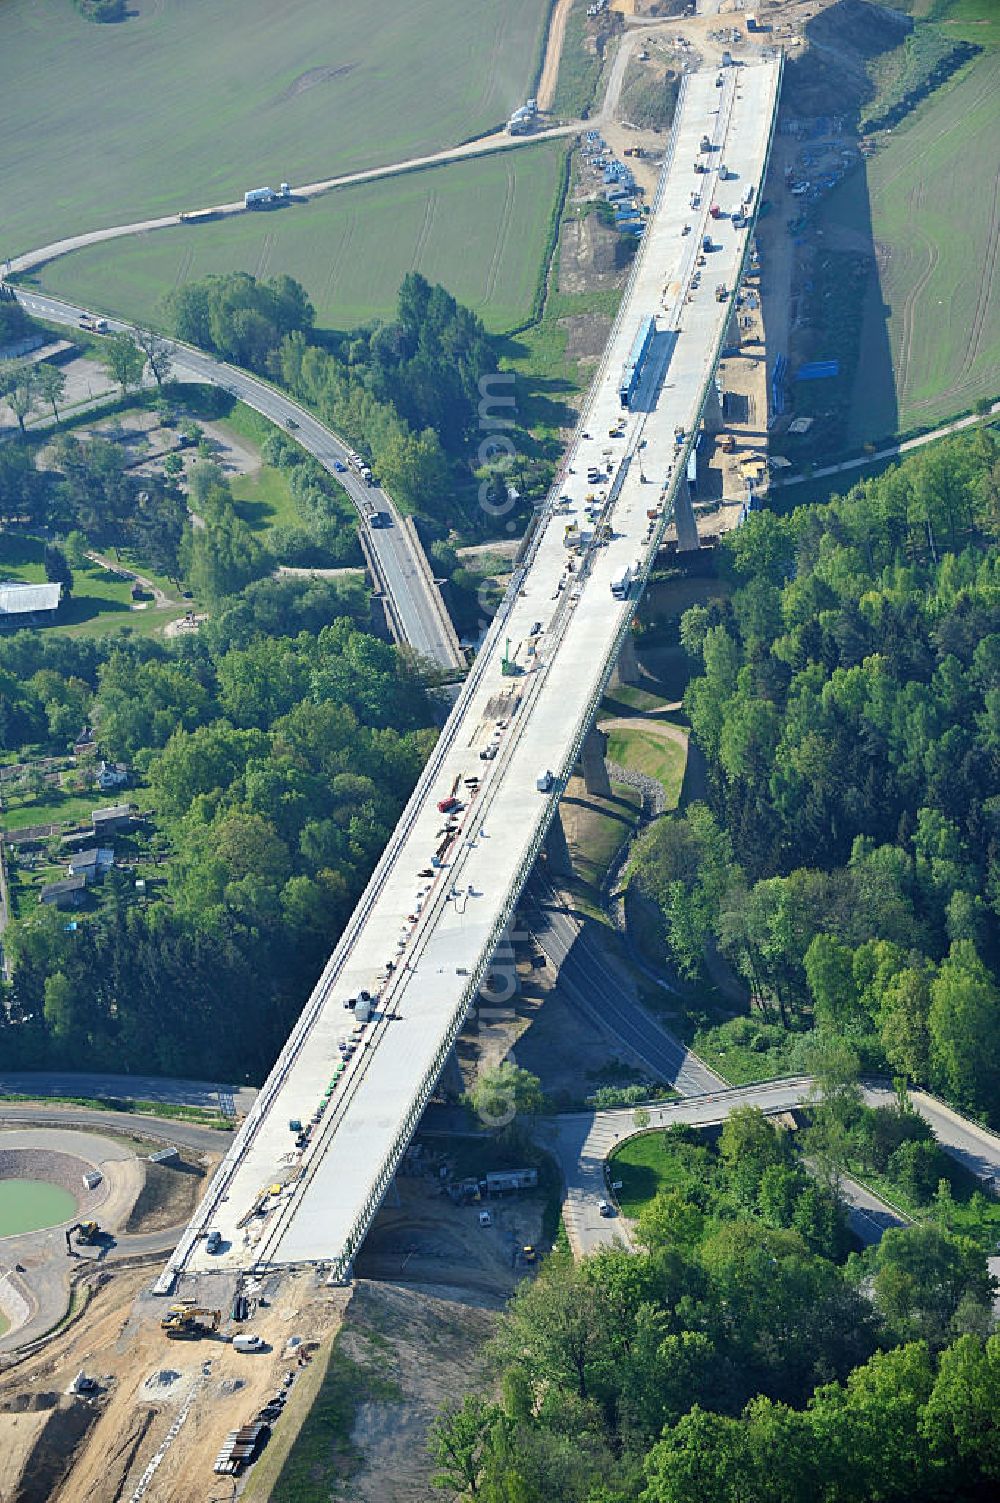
(582, 1142)
(415, 600)
(592, 981)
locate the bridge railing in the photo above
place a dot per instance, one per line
(340, 1266)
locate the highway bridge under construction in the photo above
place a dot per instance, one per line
(307, 1172)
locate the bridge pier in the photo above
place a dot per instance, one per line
(557, 857)
(711, 417)
(450, 1080)
(687, 527)
(592, 763)
(502, 982)
(628, 664)
(377, 615)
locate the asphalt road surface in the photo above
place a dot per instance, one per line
(417, 604)
(590, 979)
(582, 1141)
(210, 1095)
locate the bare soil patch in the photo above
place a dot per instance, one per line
(586, 335)
(589, 256)
(144, 1381)
(430, 1348)
(168, 1197)
(426, 1239)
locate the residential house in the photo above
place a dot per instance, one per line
(111, 821)
(111, 775)
(92, 864)
(68, 892)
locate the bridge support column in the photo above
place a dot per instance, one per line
(712, 415)
(557, 857)
(502, 982)
(595, 772)
(451, 1082)
(687, 527)
(628, 664)
(377, 616)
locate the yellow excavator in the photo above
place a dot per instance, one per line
(189, 1322)
(87, 1232)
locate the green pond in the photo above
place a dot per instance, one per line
(26, 1205)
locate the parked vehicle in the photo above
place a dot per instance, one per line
(544, 781)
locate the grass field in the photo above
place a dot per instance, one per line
(646, 751)
(935, 217)
(478, 227)
(183, 106)
(101, 602)
(644, 1168)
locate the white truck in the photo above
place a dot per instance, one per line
(622, 581)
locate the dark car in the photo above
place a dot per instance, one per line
(340, 466)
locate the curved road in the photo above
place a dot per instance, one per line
(417, 611)
(415, 600)
(582, 1141)
(42, 1255)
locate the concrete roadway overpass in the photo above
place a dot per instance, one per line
(582, 1142)
(424, 932)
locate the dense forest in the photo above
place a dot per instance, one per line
(738, 1356)
(279, 746)
(846, 698)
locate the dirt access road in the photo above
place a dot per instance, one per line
(553, 53)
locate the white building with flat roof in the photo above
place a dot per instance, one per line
(19, 600)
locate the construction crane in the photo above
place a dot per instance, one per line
(189, 1322)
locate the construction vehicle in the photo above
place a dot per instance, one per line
(189, 1322)
(88, 1233)
(528, 1254)
(721, 292)
(258, 1204)
(728, 444)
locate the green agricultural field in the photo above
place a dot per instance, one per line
(934, 215)
(182, 106)
(479, 227)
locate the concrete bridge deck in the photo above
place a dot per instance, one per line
(423, 935)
